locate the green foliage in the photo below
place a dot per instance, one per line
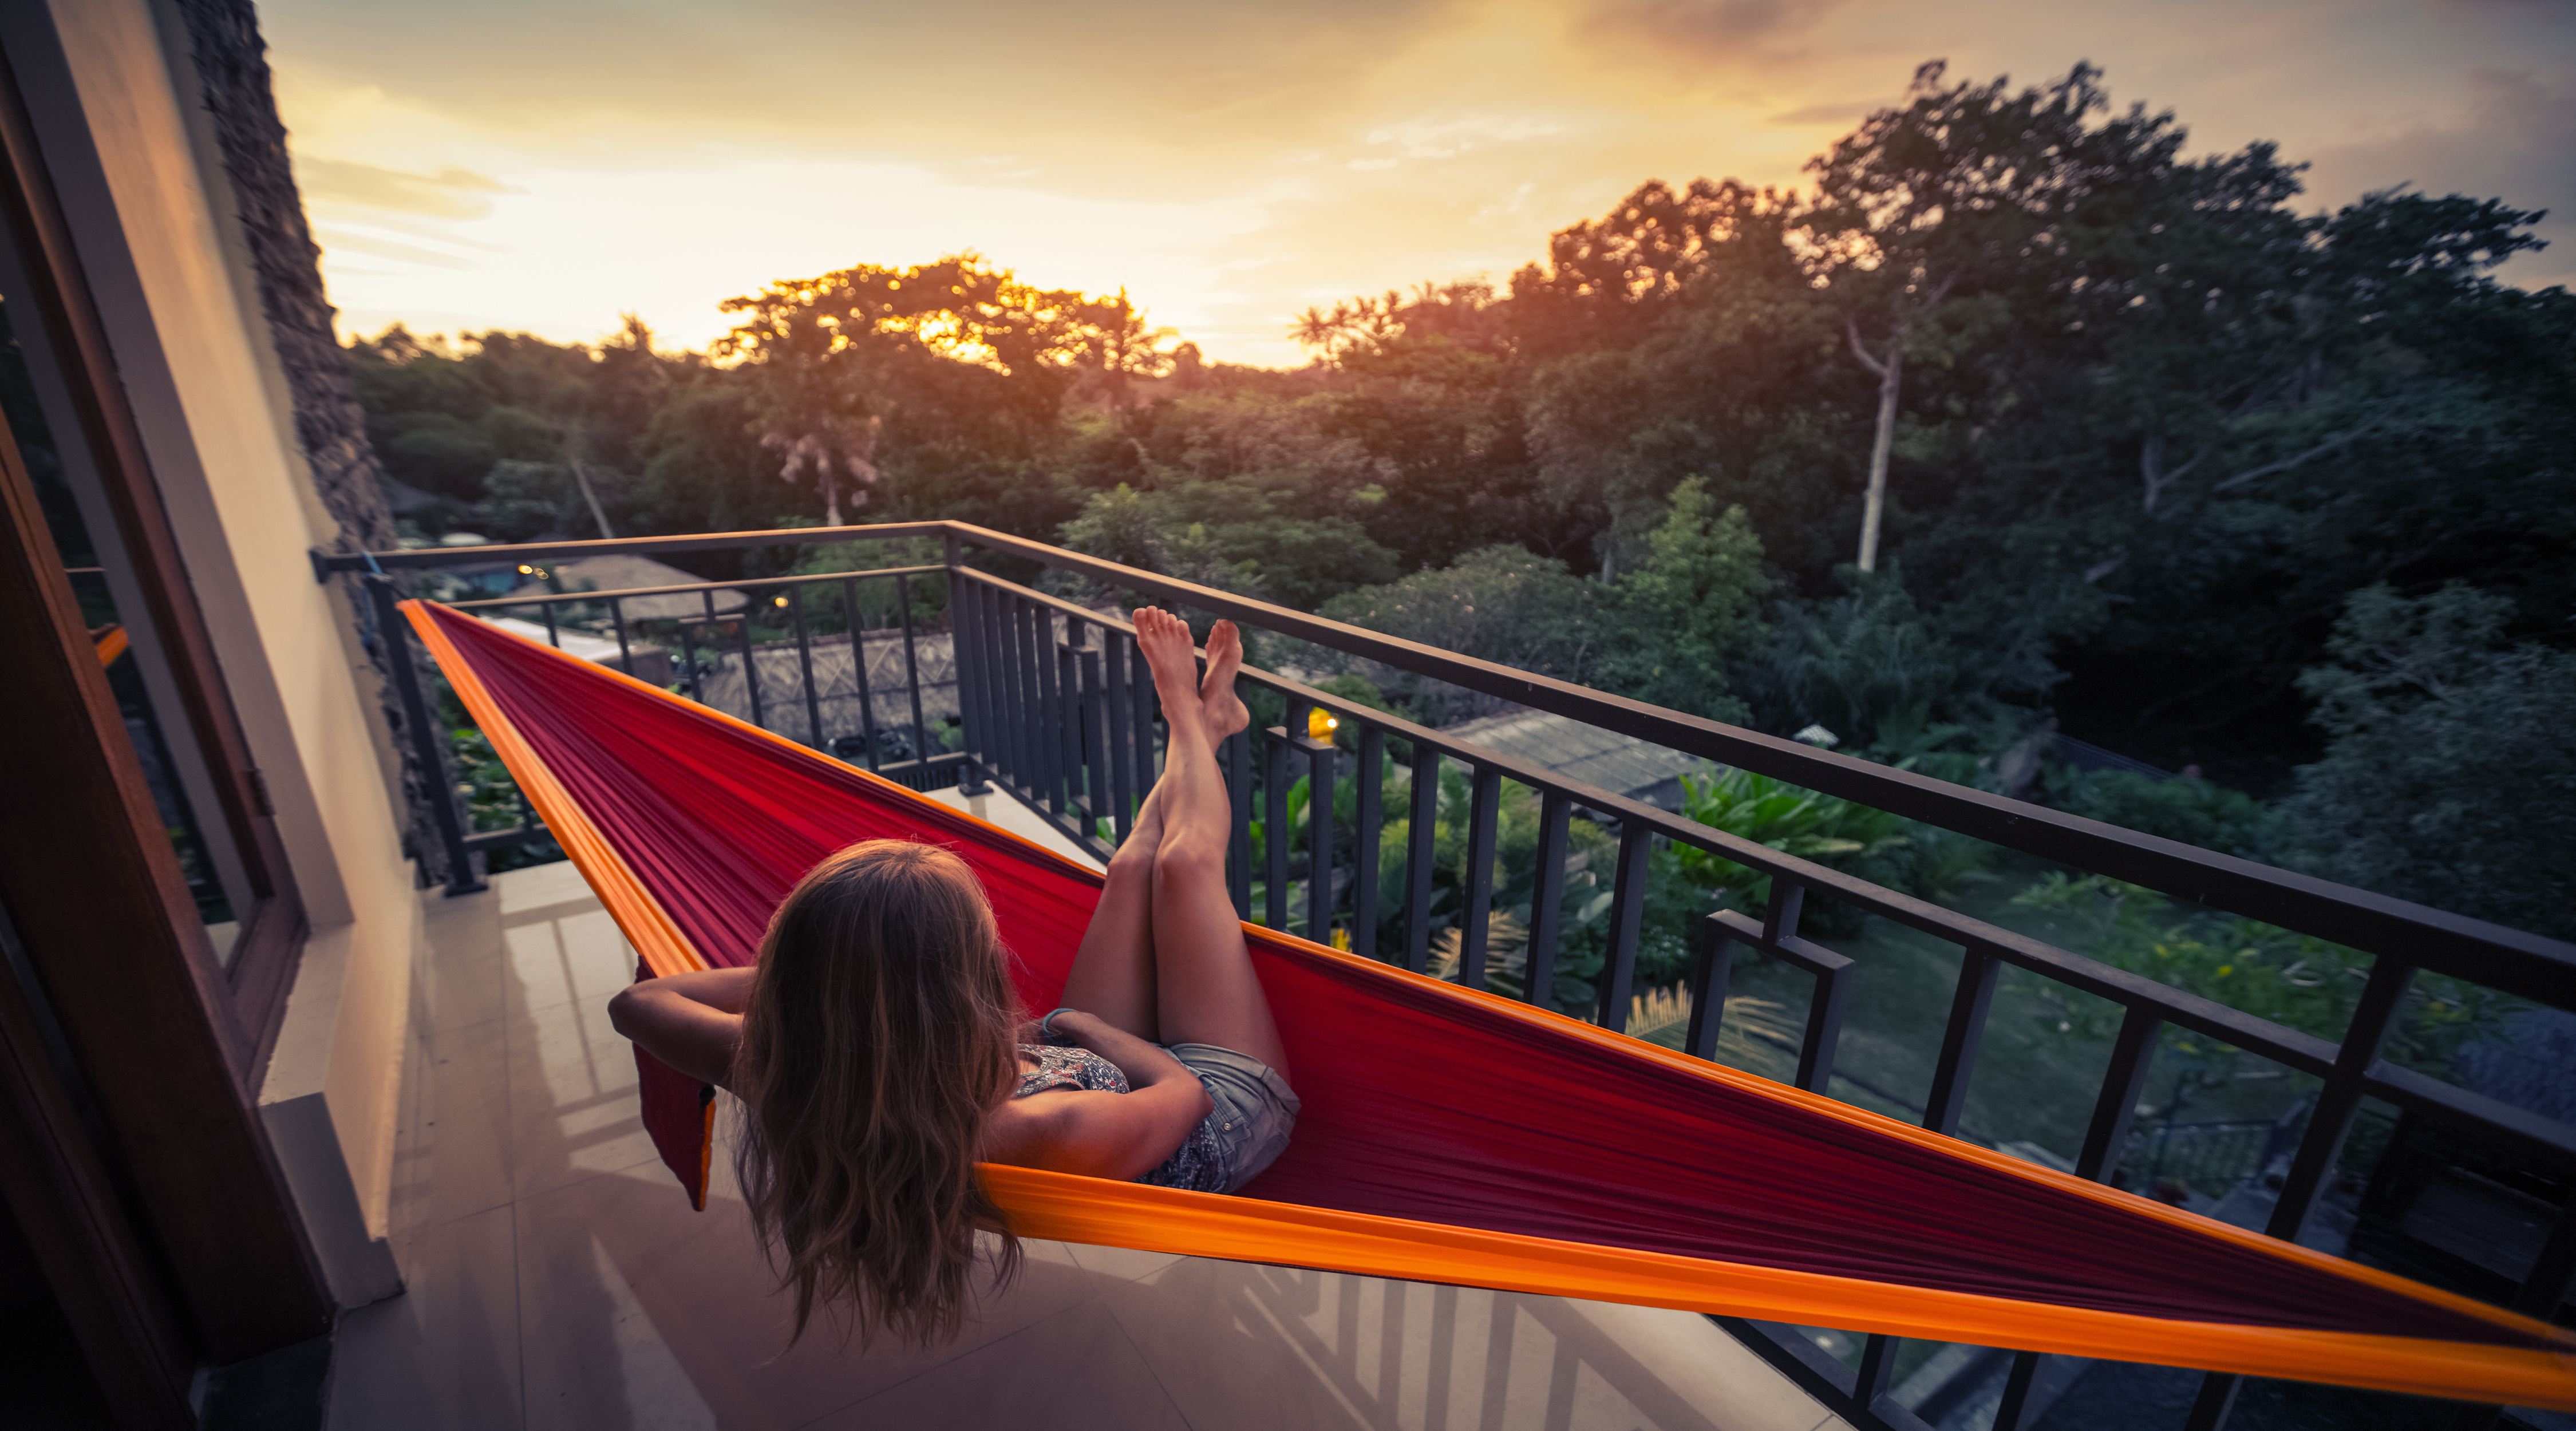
(1498, 604)
(1874, 668)
(879, 602)
(2196, 812)
(1825, 829)
(2291, 979)
(1779, 816)
(2449, 778)
(1252, 533)
(1688, 609)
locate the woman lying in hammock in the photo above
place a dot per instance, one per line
(879, 1055)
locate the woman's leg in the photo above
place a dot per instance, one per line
(1113, 971)
(1206, 990)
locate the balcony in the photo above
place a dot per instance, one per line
(1027, 704)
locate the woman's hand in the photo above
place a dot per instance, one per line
(692, 1021)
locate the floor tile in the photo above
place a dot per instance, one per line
(1121, 1262)
(1074, 1371)
(573, 1109)
(631, 1300)
(463, 1146)
(443, 1356)
(1239, 1345)
(463, 981)
(562, 953)
(540, 887)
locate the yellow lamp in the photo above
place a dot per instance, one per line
(1320, 724)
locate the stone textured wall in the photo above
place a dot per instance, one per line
(230, 60)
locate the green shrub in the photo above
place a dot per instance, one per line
(2188, 809)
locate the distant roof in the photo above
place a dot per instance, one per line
(587, 647)
(621, 572)
(1621, 764)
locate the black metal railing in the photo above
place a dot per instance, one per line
(1054, 706)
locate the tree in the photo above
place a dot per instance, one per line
(2449, 778)
(1498, 604)
(1927, 217)
(1689, 610)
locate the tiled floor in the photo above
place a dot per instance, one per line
(557, 1277)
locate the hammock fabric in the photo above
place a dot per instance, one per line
(1452, 1136)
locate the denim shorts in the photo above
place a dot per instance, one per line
(1254, 1113)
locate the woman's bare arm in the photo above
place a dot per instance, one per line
(1102, 1135)
(693, 1021)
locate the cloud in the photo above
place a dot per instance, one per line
(340, 240)
(1841, 111)
(1200, 84)
(2510, 140)
(1728, 35)
(451, 193)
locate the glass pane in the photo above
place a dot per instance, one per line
(173, 766)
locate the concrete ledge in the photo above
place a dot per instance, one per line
(330, 1098)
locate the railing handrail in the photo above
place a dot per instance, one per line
(625, 593)
(2516, 961)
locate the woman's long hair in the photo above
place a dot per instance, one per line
(879, 1034)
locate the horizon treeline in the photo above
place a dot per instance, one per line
(2160, 452)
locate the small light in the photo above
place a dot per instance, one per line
(1320, 724)
(526, 570)
(782, 601)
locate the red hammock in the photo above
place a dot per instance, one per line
(1450, 1135)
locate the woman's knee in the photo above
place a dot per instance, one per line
(1189, 863)
(1134, 861)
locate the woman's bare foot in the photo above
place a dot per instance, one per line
(1224, 709)
(1164, 640)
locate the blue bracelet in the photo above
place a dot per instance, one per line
(1046, 1026)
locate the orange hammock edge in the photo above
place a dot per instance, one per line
(1067, 1208)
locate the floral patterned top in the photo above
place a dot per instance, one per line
(1197, 1165)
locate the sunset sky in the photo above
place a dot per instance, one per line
(543, 165)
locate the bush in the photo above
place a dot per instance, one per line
(2189, 809)
(2450, 778)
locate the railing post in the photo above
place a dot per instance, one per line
(912, 669)
(1547, 903)
(2341, 1096)
(805, 666)
(1423, 841)
(429, 742)
(1369, 816)
(1274, 827)
(967, 633)
(1967, 1029)
(1319, 843)
(2131, 1053)
(859, 670)
(1627, 916)
(1475, 919)
(1712, 969)
(1118, 732)
(1073, 796)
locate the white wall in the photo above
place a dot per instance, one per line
(194, 360)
